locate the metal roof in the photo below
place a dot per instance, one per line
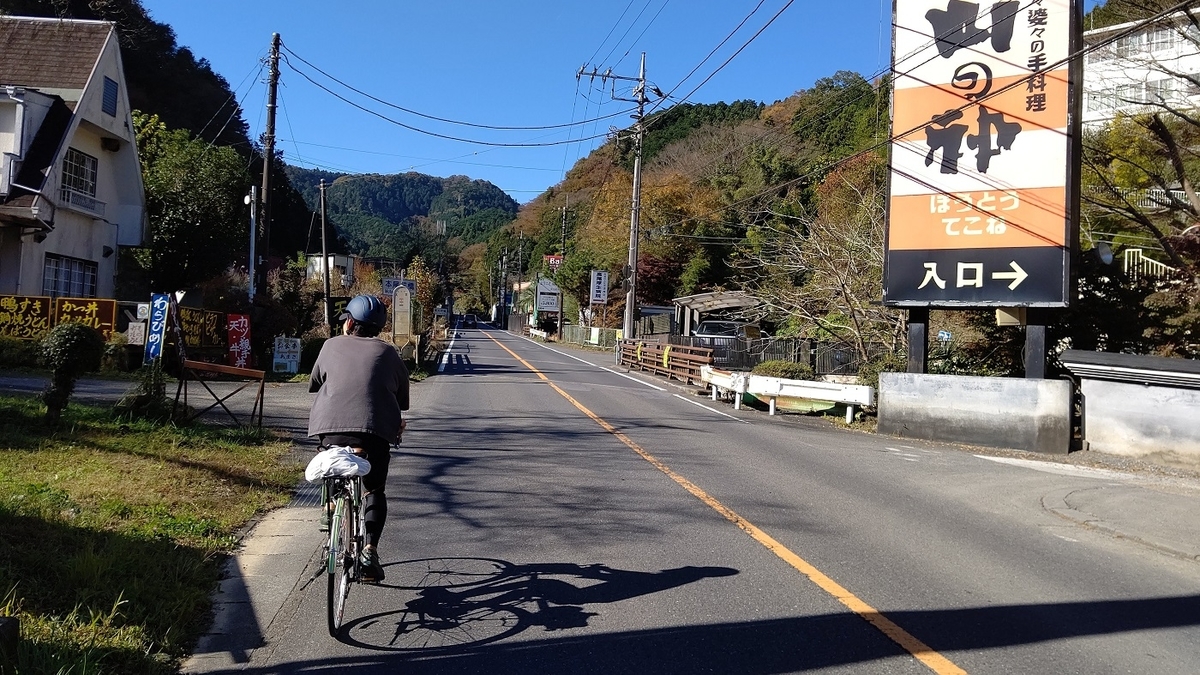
(717, 300)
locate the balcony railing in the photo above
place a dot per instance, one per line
(81, 202)
(1137, 265)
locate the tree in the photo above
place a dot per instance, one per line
(70, 350)
(827, 269)
(199, 224)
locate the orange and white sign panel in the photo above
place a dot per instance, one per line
(980, 159)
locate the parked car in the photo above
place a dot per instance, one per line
(469, 321)
(725, 338)
(713, 328)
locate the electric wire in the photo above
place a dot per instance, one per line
(633, 23)
(435, 118)
(232, 97)
(639, 37)
(1080, 53)
(610, 31)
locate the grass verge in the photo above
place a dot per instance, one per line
(113, 532)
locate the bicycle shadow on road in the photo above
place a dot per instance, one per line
(462, 602)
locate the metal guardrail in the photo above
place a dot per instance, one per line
(673, 361)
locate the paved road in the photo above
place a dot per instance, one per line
(589, 521)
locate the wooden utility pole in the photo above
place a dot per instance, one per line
(269, 155)
(325, 262)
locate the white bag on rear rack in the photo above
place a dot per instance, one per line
(338, 460)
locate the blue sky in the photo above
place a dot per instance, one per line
(508, 64)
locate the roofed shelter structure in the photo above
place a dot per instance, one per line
(71, 189)
(690, 309)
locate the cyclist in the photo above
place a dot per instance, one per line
(361, 385)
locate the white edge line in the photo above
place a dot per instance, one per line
(610, 370)
(446, 354)
(722, 414)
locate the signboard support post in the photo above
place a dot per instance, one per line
(1035, 344)
(918, 340)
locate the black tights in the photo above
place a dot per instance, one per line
(379, 453)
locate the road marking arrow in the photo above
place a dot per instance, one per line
(1017, 275)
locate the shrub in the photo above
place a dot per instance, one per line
(310, 347)
(891, 362)
(70, 350)
(788, 370)
(116, 354)
(16, 353)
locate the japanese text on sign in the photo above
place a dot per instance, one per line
(982, 152)
(201, 328)
(160, 304)
(92, 312)
(238, 327)
(24, 317)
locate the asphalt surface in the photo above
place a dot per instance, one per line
(607, 522)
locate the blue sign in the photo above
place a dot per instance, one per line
(159, 304)
(945, 336)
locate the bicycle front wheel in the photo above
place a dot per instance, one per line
(341, 561)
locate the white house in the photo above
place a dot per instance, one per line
(70, 184)
(1140, 69)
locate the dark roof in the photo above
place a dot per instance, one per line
(50, 53)
(39, 157)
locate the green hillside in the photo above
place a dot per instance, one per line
(396, 215)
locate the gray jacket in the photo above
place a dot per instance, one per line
(361, 386)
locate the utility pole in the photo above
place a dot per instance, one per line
(325, 261)
(269, 153)
(561, 308)
(639, 130)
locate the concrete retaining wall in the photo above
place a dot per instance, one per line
(1124, 418)
(1030, 415)
(1137, 405)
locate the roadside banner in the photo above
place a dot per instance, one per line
(237, 328)
(160, 303)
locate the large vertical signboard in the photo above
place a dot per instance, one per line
(981, 209)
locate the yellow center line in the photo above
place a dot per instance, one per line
(922, 652)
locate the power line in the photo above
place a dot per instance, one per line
(425, 131)
(435, 118)
(894, 137)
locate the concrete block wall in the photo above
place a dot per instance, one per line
(1017, 414)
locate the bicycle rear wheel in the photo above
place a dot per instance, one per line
(342, 552)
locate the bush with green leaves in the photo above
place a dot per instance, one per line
(890, 362)
(788, 370)
(69, 350)
(16, 353)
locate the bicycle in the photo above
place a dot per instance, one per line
(342, 497)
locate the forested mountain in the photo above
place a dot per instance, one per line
(395, 215)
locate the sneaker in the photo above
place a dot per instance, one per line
(370, 571)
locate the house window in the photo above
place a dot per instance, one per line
(64, 277)
(79, 172)
(109, 105)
